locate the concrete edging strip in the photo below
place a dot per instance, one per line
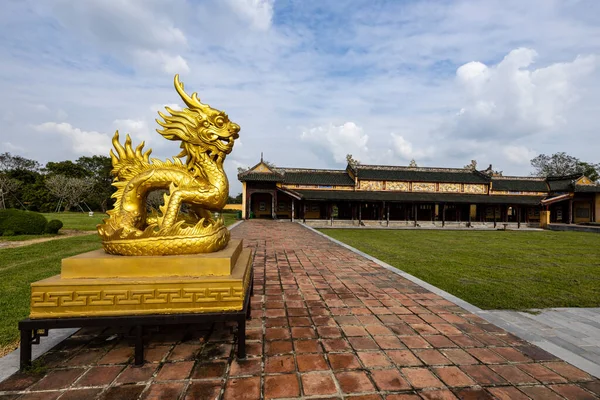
(488, 315)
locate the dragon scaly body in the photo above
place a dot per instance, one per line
(200, 183)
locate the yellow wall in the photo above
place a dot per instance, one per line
(544, 218)
(244, 208)
(235, 207)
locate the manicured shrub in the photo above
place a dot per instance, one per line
(54, 226)
(22, 222)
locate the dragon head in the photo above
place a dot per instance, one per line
(203, 130)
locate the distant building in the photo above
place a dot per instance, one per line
(395, 195)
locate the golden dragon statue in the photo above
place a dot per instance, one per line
(207, 136)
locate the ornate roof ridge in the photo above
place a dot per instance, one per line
(315, 170)
(520, 178)
(408, 168)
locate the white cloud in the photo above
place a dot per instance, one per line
(511, 99)
(11, 147)
(136, 128)
(404, 149)
(168, 63)
(258, 13)
(519, 155)
(82, 142)
(337, 141)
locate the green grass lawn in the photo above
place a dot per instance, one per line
(21, 266)
(77, 220)
(493, 270)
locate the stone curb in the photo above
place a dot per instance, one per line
(488, 315)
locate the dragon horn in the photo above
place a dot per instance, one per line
(192, 102)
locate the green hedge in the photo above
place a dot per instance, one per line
(20, 222)
(54, 226)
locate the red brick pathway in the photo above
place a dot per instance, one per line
(326, 323)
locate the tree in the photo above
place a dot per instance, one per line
(99, 168)
(9, 162)
(66, 168)
(8, 186)
(560, 164)
(70, 191)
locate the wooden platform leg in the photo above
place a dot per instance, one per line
(139, 345)
(242, 337)
(25, 354)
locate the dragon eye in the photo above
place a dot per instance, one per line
(219, 121)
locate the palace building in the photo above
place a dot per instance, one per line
(399, 196)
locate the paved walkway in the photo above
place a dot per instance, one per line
(572, 334)
(327, 323)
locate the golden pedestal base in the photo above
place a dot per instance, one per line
(98, 284)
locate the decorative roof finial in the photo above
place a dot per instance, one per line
(261, 156)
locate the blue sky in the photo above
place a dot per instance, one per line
(443, 82)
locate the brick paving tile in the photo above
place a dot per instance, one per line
(278, 347)
(279, 364)
(568, 371)
(343, 361)
(208, 390)
(453, 376)
(99, 376)
(432, 357)
(540, 393)
(572, 392)
(421, 378)
(513, 374)
(160, 391)
(472, 394)
(326, 324)
(41, 396)
(389, 380)
(133, 374)
(459, 356)
(443, 394)
(124, 392)
(318, 384)
(210, 370)
(175, 371)
(242, 389)
(245, 367)
(374, 359)
(508, 393)
(307, 346)
(117, 356)
(277, 386)
(58, 379)
(402, 397)
(311, 362)
(354, 382)
(483, 375)
(80, 394)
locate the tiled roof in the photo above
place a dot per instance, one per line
(587, 188)
(340, 178)
(517, 184)
(417, 174)
(260, 177)
(562, 185)
(342, 195)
